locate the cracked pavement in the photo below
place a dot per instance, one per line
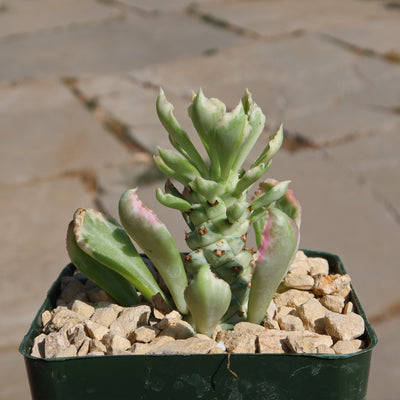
(78, 83)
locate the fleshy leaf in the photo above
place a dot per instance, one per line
(178, 138)
(104, 239)
(172, 201)
(273, 194)
(156, 242)
(275, 254)
(208, 298)
(205, 113)
(274, 144)
(254, 128)
(228, 137)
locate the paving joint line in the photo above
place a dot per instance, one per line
(116, 127)
(389, 56)
(61, 28)
(391, 312)
(194, 10)
(87, 177)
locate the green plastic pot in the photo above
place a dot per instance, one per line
(200, 376)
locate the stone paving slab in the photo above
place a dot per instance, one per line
(56, 135)
(339, 122)
(385, 367)
(272, 18)
(376, 161)
(33, 251)
(27, 16)
(158, 5)
(379, 35)
(111, 46)
(13, 380)
(303, 82)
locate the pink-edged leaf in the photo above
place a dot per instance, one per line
(277, 249)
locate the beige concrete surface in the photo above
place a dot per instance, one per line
(78, 83)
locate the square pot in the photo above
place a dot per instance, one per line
(200, 376)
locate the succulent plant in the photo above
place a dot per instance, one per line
(220, 281)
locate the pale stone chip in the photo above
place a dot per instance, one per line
(188, 346)
(96, 353)
(358, 344)
(308, 342)
(63, 319)
(111, 340)
(71, 289)
(299, 281)
(333, 303)
(216, 330)
(144, 348)
(70, 351)
(160, 307)
(271, 324)
(283, 310)
(140, 348)
(95, 331)
(84, 349)
(96, 345)
(38, 346)
(312, 313)
(130, 319)
(348, 308)
(216, 350)
(46, 317)
(77, 335)
(344, 326)
(318, 266)
(180, 330)
(170, 319)
(105, 316)
(54, 343)
(330, 284)
(271, 310)
(290, 323)
(249, 328)
(300, 255)
(144, 334)
(300, 266)
(292, 298)
(268, 321)
(272, 341)
(115, 351)
(82, 308)
(344, 347)
(237, 342)
(345, 291)
(324, 349)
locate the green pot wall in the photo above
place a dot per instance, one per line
(200, 376)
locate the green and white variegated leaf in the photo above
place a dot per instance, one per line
(104, 240)
(228, 138)
(178, 138)
(156, 242)
(112, 282)
(274, 144)
(275, 254)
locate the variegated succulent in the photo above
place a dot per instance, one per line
(220, 281)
